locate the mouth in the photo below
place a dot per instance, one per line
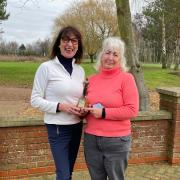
(110, 63)
(69, 50)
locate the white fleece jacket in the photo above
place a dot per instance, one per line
(53, 85)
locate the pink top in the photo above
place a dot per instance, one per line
(117, 92)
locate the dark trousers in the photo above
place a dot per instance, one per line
(106, 156)
(64, 141)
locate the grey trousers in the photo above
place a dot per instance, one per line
(106, 156)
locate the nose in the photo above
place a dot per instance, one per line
(110, 56)
(69, 42)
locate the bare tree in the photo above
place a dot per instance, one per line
(12, 47)
(9, 47)
(44, 45)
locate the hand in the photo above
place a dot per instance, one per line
(96, 112)
(69, 108)
(83, 112)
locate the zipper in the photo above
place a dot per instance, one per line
(57, 130)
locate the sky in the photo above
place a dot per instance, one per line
(34, 19)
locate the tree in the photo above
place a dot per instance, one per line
(96, 20)
(156, 12)
(126, 33)
(3, 49)
(161, 29)
(22, 49)
(177, 52)
(41, 47)
(12, 47)
(44, 46)
(3, 14)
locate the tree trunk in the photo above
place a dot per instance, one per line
(125, 28)
(176, 67)
(176, 61)
(177, 54)
(170, 59)
(163, 58)
(91, 57)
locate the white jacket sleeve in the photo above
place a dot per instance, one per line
(38, 92)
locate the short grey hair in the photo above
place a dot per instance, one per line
(113, 43)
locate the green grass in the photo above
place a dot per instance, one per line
(155, 76)
(17, 74)
(89, 68)
(21, 74)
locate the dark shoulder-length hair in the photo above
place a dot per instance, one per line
(66, 32)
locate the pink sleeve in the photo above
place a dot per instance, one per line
(130, 101)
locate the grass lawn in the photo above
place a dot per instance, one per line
(21, 74)
(17, 74)
(155, 76)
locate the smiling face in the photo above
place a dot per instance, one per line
(68, 46)
(110, 59)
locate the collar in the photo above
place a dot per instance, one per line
(110, 73)
(57, 60)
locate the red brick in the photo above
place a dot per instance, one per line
(3, 173)
(175, 161)
(18, 172)
(44, 164)
(37, 170)
(147, 160)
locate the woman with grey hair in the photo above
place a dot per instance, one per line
(113, 43)
(113, 99)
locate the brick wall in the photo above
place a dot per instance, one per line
(25, 152)
(150, 141)
(24, 148)
(170, 100)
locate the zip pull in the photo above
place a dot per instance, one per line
(57, 130)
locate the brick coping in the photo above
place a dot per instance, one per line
(38, 120)
(172, 91)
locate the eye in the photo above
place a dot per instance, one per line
(108, 52)
(74, 41)
(65, 39)
(115, 54)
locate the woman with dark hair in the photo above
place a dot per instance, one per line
(57, 88)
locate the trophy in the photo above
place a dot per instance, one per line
(81, 102)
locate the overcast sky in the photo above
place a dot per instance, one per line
(32, 21)
(35, 19)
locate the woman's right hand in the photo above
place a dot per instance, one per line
(69, 108)
(96, 112)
